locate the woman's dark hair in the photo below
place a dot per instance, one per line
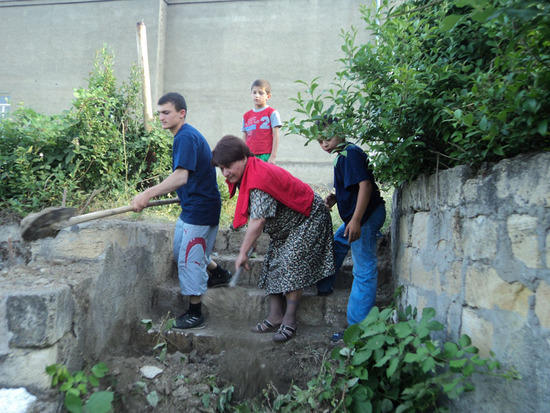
(230, 149)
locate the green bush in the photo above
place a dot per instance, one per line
(99, 145)
(443, 83)
(390, 363)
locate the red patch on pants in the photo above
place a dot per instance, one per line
(192, 243)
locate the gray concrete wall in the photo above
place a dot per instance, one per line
(210, 52)
(48, 48)
(475, 245)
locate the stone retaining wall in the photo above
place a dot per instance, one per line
(475, 245)
(78, 298)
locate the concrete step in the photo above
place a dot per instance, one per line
(248, 303)
(251, 277)
(221, 334)
(251, 304)
(229, 242)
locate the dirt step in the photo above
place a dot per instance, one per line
(251, 304)
(248, 360)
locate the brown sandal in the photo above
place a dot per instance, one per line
(284, 333)
(264, 327)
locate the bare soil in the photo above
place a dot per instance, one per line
(194, 382)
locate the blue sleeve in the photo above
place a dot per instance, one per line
(356, 168)
(275, 120)
(184, 153)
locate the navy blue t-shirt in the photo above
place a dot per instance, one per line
(200, 198)
(350, 169)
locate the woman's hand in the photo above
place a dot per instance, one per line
(253, 232)
(330, 200)
(242, 259)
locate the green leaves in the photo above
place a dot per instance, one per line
(78, 388)
(448, 83)
(390, 364)
(100, 370)
(99, 146)
(450, 22)
(153, 398)
(100, 402)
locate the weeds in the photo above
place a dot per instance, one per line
(82, 394)
(388, 363)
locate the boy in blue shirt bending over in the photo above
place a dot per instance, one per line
(362, 209)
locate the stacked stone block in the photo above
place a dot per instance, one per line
(475, 245)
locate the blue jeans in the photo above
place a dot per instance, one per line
(365, 270)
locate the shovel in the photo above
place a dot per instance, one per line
(226, 300)
(237, 274)
(49, 221)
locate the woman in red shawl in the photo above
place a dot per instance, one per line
(300, 250)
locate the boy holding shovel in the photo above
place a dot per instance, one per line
(194, 180)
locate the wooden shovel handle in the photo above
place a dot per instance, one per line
(109, 212)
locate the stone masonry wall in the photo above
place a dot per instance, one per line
(475, 245)
(82, 295)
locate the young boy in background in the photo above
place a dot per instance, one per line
(261, 124)
(362, 209)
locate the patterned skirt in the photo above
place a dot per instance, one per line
(300, 250)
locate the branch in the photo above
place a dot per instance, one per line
(433, 3)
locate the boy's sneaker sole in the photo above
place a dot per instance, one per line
(219, 283)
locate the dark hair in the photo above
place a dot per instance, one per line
(326, 121)
(176, 99)
(262, 83)
(230, 149)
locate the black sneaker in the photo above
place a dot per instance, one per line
(219, 277)
(189, 321)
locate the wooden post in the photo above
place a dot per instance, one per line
(145, 79)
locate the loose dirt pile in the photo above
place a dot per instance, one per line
(193, 382)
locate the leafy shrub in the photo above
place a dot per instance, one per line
(82, 394)
(443, 83)
(100, 145)
(391, 365)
